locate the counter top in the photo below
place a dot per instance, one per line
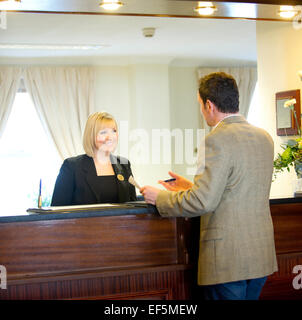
(286, 200)
(129, 208)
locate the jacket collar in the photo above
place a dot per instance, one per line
(234, 118)
(230, 119)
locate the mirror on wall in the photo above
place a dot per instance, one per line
(287, 117)
(123, 56)
(148, 81)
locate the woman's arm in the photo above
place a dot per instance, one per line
(63, 190)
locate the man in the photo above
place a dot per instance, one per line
(237, 250)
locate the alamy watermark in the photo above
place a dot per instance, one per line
(297, 281)
(3, 277)
(3, 22)
(163, 146)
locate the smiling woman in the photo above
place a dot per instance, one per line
(97, 176)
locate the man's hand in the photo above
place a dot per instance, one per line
(180, 184)
(150, 194)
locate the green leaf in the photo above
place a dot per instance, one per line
(292, 143)
(286, 155)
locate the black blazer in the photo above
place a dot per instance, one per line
(77, 179)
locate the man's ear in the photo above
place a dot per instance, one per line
(198, 97)
(210, 105)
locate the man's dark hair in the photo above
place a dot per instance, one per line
(221, 89)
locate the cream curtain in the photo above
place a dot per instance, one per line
(63, 98)
(9, 81)
(246, 78)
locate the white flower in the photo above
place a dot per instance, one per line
(289, 103)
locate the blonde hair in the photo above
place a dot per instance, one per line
(94, 124)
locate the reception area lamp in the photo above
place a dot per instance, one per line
(7, 1)
(111, 5)
(287, 12)
(9, 4)
(205, 8)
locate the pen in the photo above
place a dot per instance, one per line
(40, 195)
(133, 182)
(170, 180)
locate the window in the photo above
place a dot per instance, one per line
(26, 156)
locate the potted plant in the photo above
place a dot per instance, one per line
(292, 154)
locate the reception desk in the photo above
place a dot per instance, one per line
(127, 252)
(287, 220)
(116, 253)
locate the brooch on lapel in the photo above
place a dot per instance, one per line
(120, 177)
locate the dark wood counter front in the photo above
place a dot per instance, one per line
(287, 220)
(131, 253)
(125, 256)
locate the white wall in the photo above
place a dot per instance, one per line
(138, 97)
(144, 97)
(185, 111)
(279, 56)
(112, 92)
(150, 109)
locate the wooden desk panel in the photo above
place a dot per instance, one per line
(34, 248)
(139, 256)
(98, 257)
(287, 220)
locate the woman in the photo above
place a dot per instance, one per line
(97, 176)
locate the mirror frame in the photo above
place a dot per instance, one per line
(291, 94)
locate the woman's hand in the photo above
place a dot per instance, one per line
(180, 184)
(150, 194)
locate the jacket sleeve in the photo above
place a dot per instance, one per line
(63, 190)
(208, 188)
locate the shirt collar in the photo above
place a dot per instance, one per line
(230, 115)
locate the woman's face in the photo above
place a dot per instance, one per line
(107, 138)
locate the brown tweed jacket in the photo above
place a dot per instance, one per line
(231, 196)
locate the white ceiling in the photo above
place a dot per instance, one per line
(180, 39)
(177, 40)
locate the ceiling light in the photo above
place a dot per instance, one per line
(287, 12)
(50, 46)
(205, 8)
(111, 5)
(9, 4)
